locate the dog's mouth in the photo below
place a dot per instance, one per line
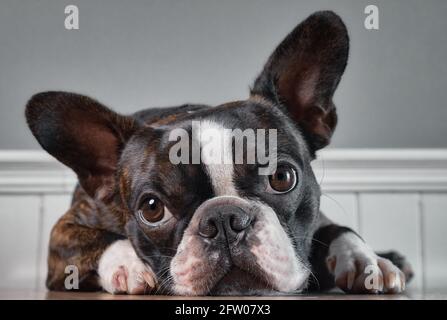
(240, 282)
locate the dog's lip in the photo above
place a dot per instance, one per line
(239, 281)
(236, 279)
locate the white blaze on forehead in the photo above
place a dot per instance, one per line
(217, 156)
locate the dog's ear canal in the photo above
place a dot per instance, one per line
(303, 73)
(81, 133)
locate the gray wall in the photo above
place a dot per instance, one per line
(133, 54)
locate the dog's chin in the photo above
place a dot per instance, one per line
(239, 282)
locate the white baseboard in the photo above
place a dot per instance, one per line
(30, 172)
(382, 169)
(394, 170)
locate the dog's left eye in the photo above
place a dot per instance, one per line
(152, 212)
(283, 179)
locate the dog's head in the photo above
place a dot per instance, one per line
(212, 227)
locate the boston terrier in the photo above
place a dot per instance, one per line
(141, 222)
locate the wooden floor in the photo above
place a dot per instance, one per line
(46, 295)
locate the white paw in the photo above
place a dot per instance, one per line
(357, 269)
(121, 271)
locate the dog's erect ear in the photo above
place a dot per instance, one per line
(82, 134)
(303, 73)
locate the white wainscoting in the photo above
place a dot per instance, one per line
(396, 199)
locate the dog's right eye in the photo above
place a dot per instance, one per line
(152, 212)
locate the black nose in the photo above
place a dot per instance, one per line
(223, 221)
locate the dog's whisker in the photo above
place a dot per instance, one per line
(345, 212)
(323, 167)
(312, 274)
(309, 238)
(165, 279)
(164, 285)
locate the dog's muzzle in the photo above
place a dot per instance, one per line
(233, 245)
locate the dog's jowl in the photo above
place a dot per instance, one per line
(211, 222)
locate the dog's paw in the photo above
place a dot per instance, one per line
(121, 271)
(399, 261)
(357, 269)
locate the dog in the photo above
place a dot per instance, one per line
(140, 224)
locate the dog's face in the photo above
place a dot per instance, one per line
(208, 227)
(219, 222)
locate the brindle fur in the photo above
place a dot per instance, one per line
(82, 234)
